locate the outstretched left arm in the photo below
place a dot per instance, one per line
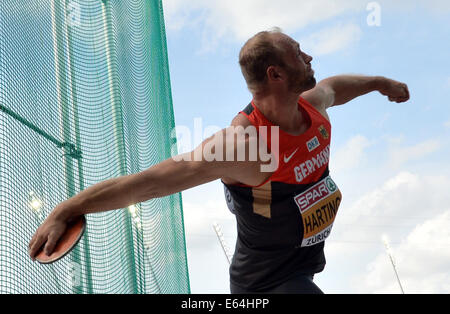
(338, 90)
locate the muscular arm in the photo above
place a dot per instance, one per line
(163, 179)
(171, 176)
(338, 90)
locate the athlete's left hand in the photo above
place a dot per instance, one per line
(395, 91)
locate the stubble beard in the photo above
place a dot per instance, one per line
(310, 83)
(298, 85)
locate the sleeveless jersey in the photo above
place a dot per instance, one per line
(283, 223)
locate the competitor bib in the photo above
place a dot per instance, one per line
(318, 208)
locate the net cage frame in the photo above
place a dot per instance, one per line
(85, 96)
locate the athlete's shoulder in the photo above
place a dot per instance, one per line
(318, 98)
(241, 120)
(321, 96)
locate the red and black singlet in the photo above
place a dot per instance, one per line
(283, 223)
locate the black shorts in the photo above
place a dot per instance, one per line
(300, 284)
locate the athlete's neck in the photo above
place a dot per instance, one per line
(282, 110)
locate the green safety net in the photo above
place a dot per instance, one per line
(84, 97)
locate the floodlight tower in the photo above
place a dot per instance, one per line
(391, 257)
(225, 248)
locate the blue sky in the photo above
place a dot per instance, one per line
(390, 160)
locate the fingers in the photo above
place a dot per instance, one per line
(36, 245)
(398, 99)
(51, 243)
(405, 96)
(38, 242)
(407, 92)
(402, 96)
(32, 241)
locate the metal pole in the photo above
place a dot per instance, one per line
(225, 249)
(116, 106)
(76, 122)
(391, 258)
(58, 23)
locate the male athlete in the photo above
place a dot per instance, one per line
(283, 215)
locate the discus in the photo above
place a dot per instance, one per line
(74, 232)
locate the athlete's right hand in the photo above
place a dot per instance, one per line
(47, 234)
(395, 91)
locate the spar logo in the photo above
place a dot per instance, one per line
(331, 185)
(313, 195)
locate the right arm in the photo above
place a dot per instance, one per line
(166, 178)
(163, 179)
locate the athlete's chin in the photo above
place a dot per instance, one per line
(313, 81)
(310, 83)
(303, 86)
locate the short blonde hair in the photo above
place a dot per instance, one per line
(260, 52)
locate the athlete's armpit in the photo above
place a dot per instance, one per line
(321, 97)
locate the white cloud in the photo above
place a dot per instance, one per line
(220, 20)
(385, 200)
(413, 210)
(433, 6)
(403, 195)
(199, 217)
(239, 20)
(332, 39)
(400, 155)
(447, 124)
(421, 260)
(351, 155)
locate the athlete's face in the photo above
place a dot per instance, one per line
(298, 67)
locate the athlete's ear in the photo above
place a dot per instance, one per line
(274, 74)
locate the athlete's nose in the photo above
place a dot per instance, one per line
(307, 58)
